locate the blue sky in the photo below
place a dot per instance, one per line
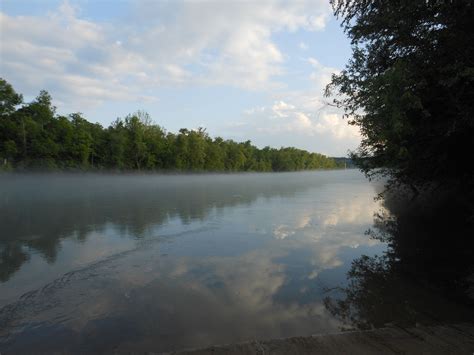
(242, 69)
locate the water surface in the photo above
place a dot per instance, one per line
(158, 263)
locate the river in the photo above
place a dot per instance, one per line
(164, 262)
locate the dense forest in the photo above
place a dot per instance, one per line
(409, 87)
(33, 136)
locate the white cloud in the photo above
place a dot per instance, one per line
(321, 75)
(300, 120)
(71, 57)
(303, 46)
(303, 116)
(281, 109)
(205, 43)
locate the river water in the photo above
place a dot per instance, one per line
(167, 262)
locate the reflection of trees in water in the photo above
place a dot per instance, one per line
(12, 257)
(427, 274)
(37, 212)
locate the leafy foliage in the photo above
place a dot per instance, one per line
(33, 136)
(409, 88)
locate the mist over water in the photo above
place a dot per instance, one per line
(149, 262)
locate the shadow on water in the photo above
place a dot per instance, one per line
(426, 276)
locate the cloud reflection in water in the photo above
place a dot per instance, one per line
(196, 262)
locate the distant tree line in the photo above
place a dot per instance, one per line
(33, 136)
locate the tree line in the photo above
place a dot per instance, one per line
(33, 136)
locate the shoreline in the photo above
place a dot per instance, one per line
(437, 339)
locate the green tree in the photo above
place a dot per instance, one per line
(135, 126)
(82, 142)
(116, 146)
(181, 150)
(9, 99)
(235, 157)
(197, 149)
(33, 136)
(155, 141)
(98, 146)
(9, 127)
(37, 121)
(215, 154)
(409, 88)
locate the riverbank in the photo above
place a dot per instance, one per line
(438, 339)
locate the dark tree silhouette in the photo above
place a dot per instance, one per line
(409, 88)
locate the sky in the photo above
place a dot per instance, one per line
(244, 70)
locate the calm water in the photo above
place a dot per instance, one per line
(169, 262)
